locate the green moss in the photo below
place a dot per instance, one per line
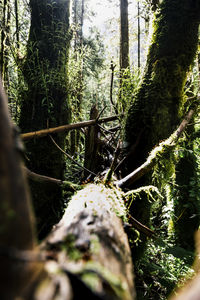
(96, 272)
(139, 193)
(157, 105)
(71, 250)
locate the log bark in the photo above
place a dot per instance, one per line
(16, 222)
(90, 242)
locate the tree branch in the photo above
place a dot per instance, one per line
(151, 160)
(44, 132)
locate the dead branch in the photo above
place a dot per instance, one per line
(151, 160)
(66, 154)
(131, 152)
(113, 165)
(44, 132)
(49, 180)
(41, 178)
(141, 227)
(112, 68)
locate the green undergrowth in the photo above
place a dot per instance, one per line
(162, 268)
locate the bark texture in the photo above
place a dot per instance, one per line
(16, 222)
(93, 241)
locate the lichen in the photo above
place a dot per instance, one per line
(97, 197)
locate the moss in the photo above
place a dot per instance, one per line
(95, 271)
(139, 193)
(157, 105)
(97, 195)
(70, 248)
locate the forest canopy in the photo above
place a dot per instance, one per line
(99, 149)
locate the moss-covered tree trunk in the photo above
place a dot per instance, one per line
(45, 102)
(158, 102)
(156, 108)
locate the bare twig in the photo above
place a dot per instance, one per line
(101, 112)
(141, 227)
(66, 154)
(114, 162)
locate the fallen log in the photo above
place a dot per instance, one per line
(90, 242)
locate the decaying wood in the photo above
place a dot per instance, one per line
(44, 132)
(112, 68)
(151, 160)
(91, 231)
(91, 160)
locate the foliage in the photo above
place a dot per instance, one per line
(160, 269)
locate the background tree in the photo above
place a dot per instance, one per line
(5, 32)
(158, 103)
(45, 101)
(124, 48)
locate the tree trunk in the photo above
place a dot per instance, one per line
(45, 104)
(158, 103)
(124, 50)
(124, 35)
(186, 217)
(138, 6)
(5, 31)
(92, 155)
